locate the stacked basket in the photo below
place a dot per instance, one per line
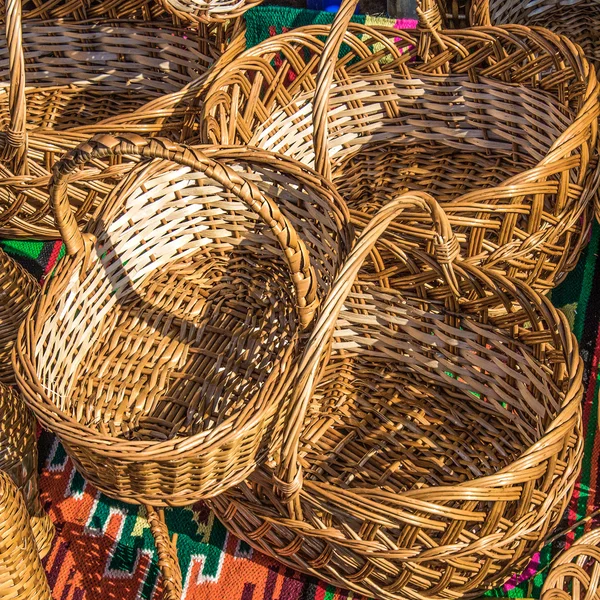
(325, 312)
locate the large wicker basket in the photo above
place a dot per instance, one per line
(18, 458)
(22, 576)
(62, 79)
(167, 340)
(442, 441)
(499, 124)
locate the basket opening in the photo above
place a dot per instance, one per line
(187, 314)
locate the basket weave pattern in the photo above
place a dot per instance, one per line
(442, 441)
(22, 576)
(481, 119)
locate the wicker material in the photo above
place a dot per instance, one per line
(62, 79)
(18, 289)
(443, 439)
(82, 10)
(575, 573)
(208, 11)
(500, 125)
(186, 310)
(22, 576)
(578, 20)
(18, 458)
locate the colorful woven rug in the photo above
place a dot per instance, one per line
(104, 550)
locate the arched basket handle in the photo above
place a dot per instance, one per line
(294, 250)
(167, 555)
(289, 479)
(13, 142)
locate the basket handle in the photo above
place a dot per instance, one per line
(14, 139)
(102, 146)
(430, 20)
(289, 478)
(167, 554)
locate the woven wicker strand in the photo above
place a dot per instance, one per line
(77, 75)
(575, 572)
(18, 289)
(22, 576)
(500, 124)
(18, 458)
(441, 442)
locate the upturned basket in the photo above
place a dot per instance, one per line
(22, 576)
(575, 572)
(165, 345)
(441, 442)
(18, 459)
(62, 79)
(18, 289)
(500, 124)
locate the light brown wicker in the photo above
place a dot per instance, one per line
(443, 439)
(579, 20)
(18, 458)
(208, 11)
(499, 124)
(162, 348)
(18, 289)
(61, 79)
(22, 576)
(187, 299)
(575, 572)
(82, 10)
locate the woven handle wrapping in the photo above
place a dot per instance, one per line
(294, 251)
(167, 554)
(15, 138)
(289, 475)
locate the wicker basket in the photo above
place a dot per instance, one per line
(500, 125)
(579, 20)
(208, 11)
(64, 79)
(18, 458)
(442, 441)
(22, 576)
(187, 299)
(575, 573)
(18, 289)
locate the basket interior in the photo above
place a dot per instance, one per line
(415, 397)
(185, 316)
(443, 134)
(80, 74)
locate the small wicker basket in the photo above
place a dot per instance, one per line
(22, 576)
(18, 458)
(501, 125)
(440, 444)
(575, 572)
